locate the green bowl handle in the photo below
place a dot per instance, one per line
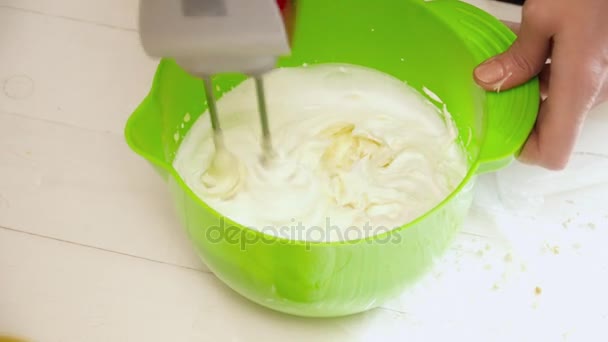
(158, 125)
(144, 135)
(510, 115)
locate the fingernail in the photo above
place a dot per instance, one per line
(490, 72)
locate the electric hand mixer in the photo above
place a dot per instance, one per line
(207, 37)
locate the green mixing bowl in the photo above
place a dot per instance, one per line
(433, 44)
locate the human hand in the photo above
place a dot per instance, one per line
(565, 43)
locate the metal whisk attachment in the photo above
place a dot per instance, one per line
(267, 149)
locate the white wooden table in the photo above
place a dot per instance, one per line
(90, 249)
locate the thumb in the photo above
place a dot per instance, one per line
(521, 62)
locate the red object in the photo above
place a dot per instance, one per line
(282, 4)
(287, 8)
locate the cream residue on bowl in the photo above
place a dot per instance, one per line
(358, 152)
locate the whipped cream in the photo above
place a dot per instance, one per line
(358, 153)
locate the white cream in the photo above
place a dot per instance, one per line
(358, 150)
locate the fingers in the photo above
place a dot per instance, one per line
(513, 26)
(544, 79)
(573, 90)
(524, 59)
(604, 94)
(545, 74)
